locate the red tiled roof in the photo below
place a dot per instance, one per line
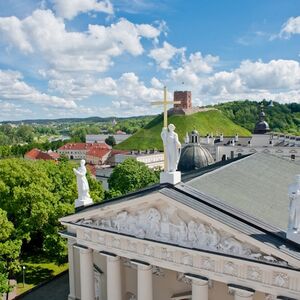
(92, 169)
(83, 146)
(38, 154)
(98, 152)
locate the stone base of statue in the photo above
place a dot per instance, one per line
(170, 177)
(83, 202)
(293, 236)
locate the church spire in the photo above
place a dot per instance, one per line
(261, 127)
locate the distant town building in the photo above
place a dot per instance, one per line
(80, 150)
(97, 155)
(100, 138)
(35, 154)
(151, 159)
(261, 141)
(103, 174)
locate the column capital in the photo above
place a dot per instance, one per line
(141, 264)
(83, 249)
(110, 256)
(241, 291)
(197, 279)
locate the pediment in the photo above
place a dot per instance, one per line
(157, 217)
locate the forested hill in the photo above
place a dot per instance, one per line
(212, 121)
(281, 117)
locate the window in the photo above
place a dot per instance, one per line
(293, 157)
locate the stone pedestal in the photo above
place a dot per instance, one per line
(83, 202)
(170, 177)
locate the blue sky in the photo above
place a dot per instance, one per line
(78, 58)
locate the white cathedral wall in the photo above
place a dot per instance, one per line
(164, 286)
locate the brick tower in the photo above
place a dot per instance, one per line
(185, 98)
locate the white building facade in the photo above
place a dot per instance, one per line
(169, 242)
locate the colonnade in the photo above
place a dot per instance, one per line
(200, 284)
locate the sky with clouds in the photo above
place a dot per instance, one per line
(79, 58)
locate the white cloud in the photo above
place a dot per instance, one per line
(128, 94)
(163, 55)
(277, 79)
(192, 69)
(69, 9)
(292, 26)
(92, 51)
(12, 87)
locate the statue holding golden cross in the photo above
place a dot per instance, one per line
(165, 104)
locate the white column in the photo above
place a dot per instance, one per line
(199, 287)
(72, 294)
(144, 290)
(114, 280)
(87, 282)
(241, 293)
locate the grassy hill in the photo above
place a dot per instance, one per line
(281, 117)
(212, 121)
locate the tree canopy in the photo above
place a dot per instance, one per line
(35, 195)
(10, 247)
(131, 175)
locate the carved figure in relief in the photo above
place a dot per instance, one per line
(120, 221)
(281, 280)
(192, 232)
(213, 237)
(153, 222)
(232, 245)
(168, 226)
(182, 231)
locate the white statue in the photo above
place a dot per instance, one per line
(294, 208)
(172, 147)
(82, 186)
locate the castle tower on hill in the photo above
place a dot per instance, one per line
(185, 106)
(185, 99)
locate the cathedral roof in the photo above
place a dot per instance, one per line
(234, 193)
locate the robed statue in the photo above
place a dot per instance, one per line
(294, 208)
(172, 147)
(82, 185)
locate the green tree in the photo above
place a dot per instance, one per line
(131, 175)
(111, 141)
(35, 195)
(10, 248)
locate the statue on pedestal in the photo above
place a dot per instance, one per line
(294, 208)
(172, 147)
(83, 189)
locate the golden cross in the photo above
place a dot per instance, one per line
(165, 103)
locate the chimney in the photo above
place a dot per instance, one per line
(207, 139)
(236, 138)
(293, 231)
(222, 137)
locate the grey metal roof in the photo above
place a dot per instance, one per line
(256, 184)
